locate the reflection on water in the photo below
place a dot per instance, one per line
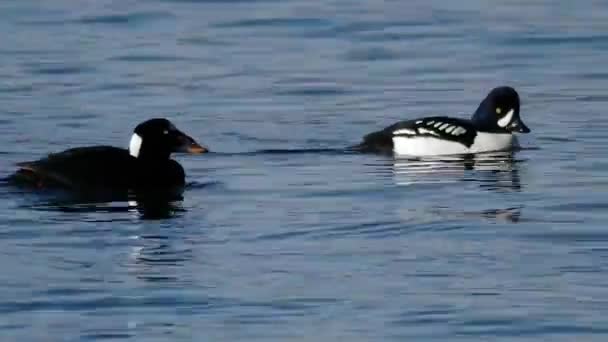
(144, 208)
(151, 204)
(439, 214)
(496, 171)
(442, 214)
(157, 257)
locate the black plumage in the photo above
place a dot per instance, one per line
(145, 167)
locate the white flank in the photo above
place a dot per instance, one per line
(404, 131)
(506, 119)
(135, 145)
(487, 142)
(431, 146)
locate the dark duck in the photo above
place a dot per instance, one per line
(146, 166)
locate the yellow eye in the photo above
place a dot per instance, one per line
(498, 110)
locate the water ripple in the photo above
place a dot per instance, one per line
(282, 233)
(131, 18)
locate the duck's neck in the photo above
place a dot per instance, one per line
(481, 118)
(148, 152)
(157, 157)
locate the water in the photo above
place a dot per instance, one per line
(281, 234)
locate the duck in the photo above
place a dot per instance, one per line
(491, 128)
(145, 166)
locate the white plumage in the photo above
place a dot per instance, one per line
(431, 146)
(135, 145)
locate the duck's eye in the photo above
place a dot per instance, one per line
(498, 110)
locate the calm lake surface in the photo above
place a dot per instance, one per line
(282, 235)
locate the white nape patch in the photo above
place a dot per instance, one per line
(431, 146)
(449, 129)
(406, 131)
(423, 130)
(459, 131)
(135, 145)
(506, 119)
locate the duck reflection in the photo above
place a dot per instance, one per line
(144, 207)
(158, 257)
(497, 171)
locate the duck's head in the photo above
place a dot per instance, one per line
(499, 112)
(156, 139)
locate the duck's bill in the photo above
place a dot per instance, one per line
(196, 149)
(189, 145)
(519, 126)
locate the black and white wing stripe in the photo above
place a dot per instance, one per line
(445, 128)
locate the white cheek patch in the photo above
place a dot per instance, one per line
(135, 145)
(506, 119)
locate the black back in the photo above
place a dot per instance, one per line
(447, 128)
(101, 168)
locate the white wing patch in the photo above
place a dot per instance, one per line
(135, 145)
(506, 119)
(435, 128)
(405, 131)
(423, 130)
(459, 131)
(440, 126)
(443, 126)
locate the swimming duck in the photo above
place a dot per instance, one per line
(490, 128)
(145, 165)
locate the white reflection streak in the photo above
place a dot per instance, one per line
(408, 172)
(447, 169)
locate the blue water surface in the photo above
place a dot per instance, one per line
(282, 235)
